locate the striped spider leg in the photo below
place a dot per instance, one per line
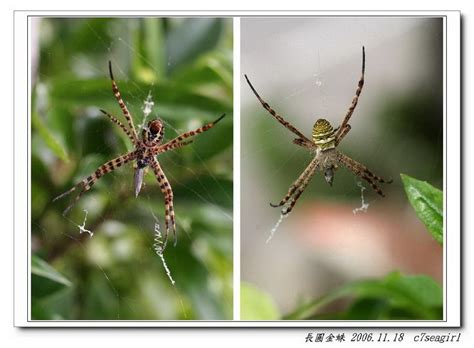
(147, 148)
(323, 145)
(301, 140)
(86, 184)
(165, 187)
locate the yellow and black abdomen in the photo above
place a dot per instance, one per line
(324, 134)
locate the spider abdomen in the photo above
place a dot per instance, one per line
(327, 162)
(324, 134)
(155, 126)
(153, 133)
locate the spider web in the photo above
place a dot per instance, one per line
(313, 85)
(150, 109)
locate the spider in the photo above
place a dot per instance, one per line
(147, 147)
(324, 148)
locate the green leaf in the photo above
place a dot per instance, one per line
(50, 140)
(149, 62)
(59, 120)
(153, 42)
(410, 296)
(256, 304)
(428, 204)
(45, 280)
(366, 308)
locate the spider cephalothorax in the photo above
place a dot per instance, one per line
(324, 143)
(144, 154)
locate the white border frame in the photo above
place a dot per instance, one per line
(452, 165)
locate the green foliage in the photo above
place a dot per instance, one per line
(185, 66)
(45, 279)
(428, 204)
(184, 47)
(51, 142)
(47, 285)
(394, 297)
(256, 304)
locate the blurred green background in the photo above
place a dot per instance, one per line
(308, 68)
(184, 65)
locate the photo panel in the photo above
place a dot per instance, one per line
(131, 168)
(343, 168)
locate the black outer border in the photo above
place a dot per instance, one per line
(249, 13)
